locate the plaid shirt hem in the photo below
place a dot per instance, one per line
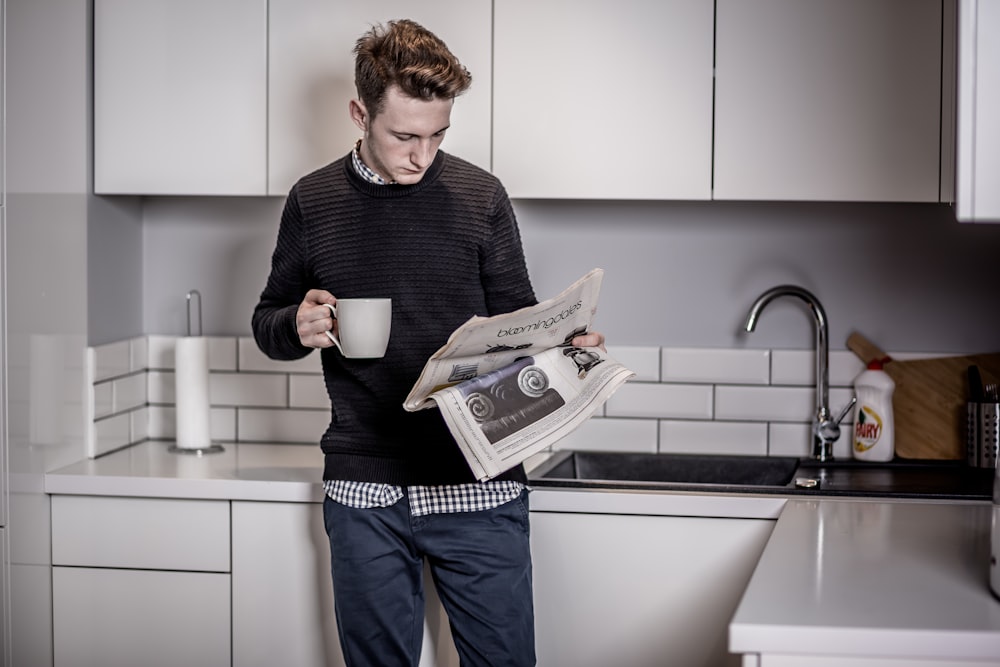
(424, 499)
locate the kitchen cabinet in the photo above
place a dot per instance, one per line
(184, 106)
(834, 100)
(282, 597)
(180, 97)
(618, 589)
(140, 581)
(607, 100)
(856, 582)
(978, 168)
(681, 99)
(107, 617)
(311, 78)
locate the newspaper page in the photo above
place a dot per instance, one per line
(509, 386)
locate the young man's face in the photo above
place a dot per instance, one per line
(401, 141)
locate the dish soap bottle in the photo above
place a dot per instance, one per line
(874, 438)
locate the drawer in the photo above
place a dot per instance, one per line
(107, 618)
(142, 533)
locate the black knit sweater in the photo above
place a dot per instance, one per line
(444, 249)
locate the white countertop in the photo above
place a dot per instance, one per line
(281, 473)
(880, 579)
(837, 578)
(293, 473)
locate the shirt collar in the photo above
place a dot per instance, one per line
(362, 169)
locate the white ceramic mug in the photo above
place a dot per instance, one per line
(362, 327)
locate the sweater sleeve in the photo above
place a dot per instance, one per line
(273, 320)
(504, 271)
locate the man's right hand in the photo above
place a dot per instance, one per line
(314, 318)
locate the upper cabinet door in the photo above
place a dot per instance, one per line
(180, 97)
(607, 99)
(833, 100)
(978, 193)
(311, 75)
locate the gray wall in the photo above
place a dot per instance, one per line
(114, 269)
(677, 273)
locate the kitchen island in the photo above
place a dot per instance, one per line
(838, 581)
(872, 583)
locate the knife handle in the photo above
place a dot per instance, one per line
(977, 393)
(866, 350)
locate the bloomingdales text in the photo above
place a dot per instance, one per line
(541, 324)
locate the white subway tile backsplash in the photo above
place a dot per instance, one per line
(163, 423)
(307, 391)
(161, 351)
(252, 359)
(130, 392)
(104, 399)
(708, 365)
(295, 426)
(160, 386)
(248, 389)
(90, 438)
(643, 361)
(622, 435)
(644, 399)
(223, 424)
(139, 424)
(795, 404)
(112, 433)
(789, 440)
(714, 437)
(222, 352)
(798, 367)
(111, 360)
(684, 400)
(138, 354)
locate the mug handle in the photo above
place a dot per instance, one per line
(329, 334)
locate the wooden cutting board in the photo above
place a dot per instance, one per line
(928, 404)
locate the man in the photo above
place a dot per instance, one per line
(399, 218)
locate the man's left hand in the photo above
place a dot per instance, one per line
(590, 339)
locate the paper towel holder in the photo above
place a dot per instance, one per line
(196, 293)
(213, 447)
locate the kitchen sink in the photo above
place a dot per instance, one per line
(899, 478)
(648, 468)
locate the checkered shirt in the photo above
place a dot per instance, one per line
(423, 499)
(472, 497)
(362, 168)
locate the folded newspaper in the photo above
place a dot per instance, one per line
(510, 385)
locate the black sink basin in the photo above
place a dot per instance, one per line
(668, 468)
(764, 474)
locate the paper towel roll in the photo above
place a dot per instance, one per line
(191, 384)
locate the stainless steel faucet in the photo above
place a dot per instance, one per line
(825, 430)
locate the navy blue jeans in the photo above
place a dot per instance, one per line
(481, 565)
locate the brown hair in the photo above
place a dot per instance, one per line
(406, 54)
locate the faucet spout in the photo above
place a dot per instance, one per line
(825, 429)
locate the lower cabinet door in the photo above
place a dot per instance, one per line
(283, 597)
(638, 591)
(106, 617)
